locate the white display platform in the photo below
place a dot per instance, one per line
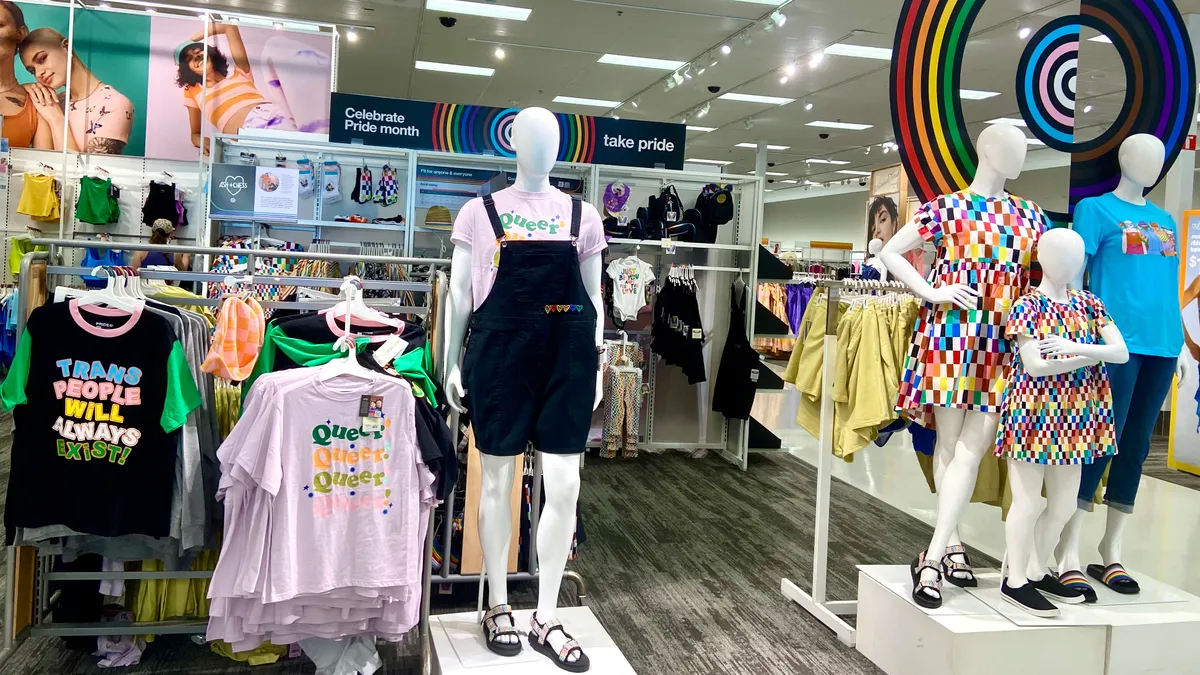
(461, 649)
(964, 636)
(978, 633)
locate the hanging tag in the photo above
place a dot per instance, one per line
(697, 334)
(389, 350)
(668, 246)
(754, 375)
(370, 409)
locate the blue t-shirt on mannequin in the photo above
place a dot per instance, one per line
(1133, 266)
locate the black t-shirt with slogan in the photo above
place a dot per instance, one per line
(99, 397)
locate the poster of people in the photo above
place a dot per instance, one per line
(146, 85)
(888, 211)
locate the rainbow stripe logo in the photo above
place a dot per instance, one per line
(480, 130)
(927, 115)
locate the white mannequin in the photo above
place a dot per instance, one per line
(1061, 254)
(963, 436)
(535, 137)
(873, 248)
(1142, 157)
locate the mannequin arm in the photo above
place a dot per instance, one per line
(1113, 350)
(458, 313)
(1038, 366)
(591, 270)
(892, 257)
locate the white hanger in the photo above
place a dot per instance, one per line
(354, 307)
(352, 289)
(107, 295)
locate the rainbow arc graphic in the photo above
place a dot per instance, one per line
(479, 130)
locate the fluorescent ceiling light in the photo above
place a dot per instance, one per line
(1015, 121)
(860, 51)
(754, 146)
(790, 181)
(692, 127)
(775, 173)
(1101, 38)
(837, 162)
(754, 98)
(854, 173)
(599, 103)
(641, 62)
(479, 9)
(718, 162)
(977, 94)
(454, 68)
(773, 3)
(849, 126)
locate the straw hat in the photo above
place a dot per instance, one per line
(438, 218)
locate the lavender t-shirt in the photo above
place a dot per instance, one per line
(525, 216)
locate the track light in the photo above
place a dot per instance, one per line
(677, 78)
(816, 59)
(747, 39)
(808, 105)
(783, 80)
(726, 49)
(688, 73)
(1087, 108)
(789, 69)
(1024, 32)
(278, 25)
(352, 35)
(634, 102)
(499, 53)
(778, 18)
(749, 124)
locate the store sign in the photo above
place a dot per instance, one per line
(257, 193)
(480, 130)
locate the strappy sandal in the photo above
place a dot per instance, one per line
(493, 630)
(921, 588)
(538, 639)
(1074, 579)
(1115, 577)
(952, 566)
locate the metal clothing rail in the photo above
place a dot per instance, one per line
(830, 612)
(43, 574)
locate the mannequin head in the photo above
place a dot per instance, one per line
(535, 138)
(874, 247)
(1002, 148)
(1142, 157)
(1061, 254)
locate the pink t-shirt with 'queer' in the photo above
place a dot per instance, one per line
(526, 216)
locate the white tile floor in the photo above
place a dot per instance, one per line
(1163, 540)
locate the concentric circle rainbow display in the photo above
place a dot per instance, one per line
(927, 116)
(479, 130)
(1046, 83)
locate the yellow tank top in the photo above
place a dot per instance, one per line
(38, 200)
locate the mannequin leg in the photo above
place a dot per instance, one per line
(495, 530)
(556, 527)
(1062, 486)
(1114, 534)
(1025, 478)
(943, 452)
(1066, 553)
(977, 435)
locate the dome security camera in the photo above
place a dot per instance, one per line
(862, 182)
(771, 164)
(823, 137)
(714, 89)
(448, 21)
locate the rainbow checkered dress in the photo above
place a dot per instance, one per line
(1057, 419)
(959, 357)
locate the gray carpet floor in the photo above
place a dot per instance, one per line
(1156, 467)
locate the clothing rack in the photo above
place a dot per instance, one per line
(830, 612)
(44, 574)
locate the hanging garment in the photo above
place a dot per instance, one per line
(798, 296)
(677, 332)
(1065, 418)
(536, 384)
(100, 257)
(631, 278)
(39, 199)
(364, 186)
(238, 340)
(388, 191)
(96, 203)
(161, 204)
(737, 376)
(622, 399)
(958, 358)
(17, 248)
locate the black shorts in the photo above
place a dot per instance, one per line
(531, 385)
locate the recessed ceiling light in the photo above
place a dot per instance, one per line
(1087, 108)
(783, 80)
(754, 146)
(692, 127)
(151, 10)
(278, 25)
(596, 102)
(499, 53)
(977, 94)
(848, 126)
(1025, 32)
(718, 162)
(754, 98)
(479, 9)
(1101, 38)
(860, 51)
(234, 20)
(848, 172)
(454, 68)
(726, 48)
(105, 5)
(640, 62)
(837, 162)
(1015, 121)
(352, 35)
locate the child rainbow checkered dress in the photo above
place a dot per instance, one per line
(958, 357)
(1057, 419)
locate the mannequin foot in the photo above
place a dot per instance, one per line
(1110, 549)
(500, 632)
(958, 567)
(551, 640)
(1051, 587)
(927, 583)
(1029, 599)
(1115, 577)
(1075, 579)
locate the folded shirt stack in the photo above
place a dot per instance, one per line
(327, 504)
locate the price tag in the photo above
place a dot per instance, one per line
(370, 409)
(668, 246)
(754, 375)
(389, 350)
(697, 334)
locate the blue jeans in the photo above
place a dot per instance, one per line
(1139, 388)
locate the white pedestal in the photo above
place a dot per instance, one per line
(964, 637)
(978, 633)
(461, 649)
